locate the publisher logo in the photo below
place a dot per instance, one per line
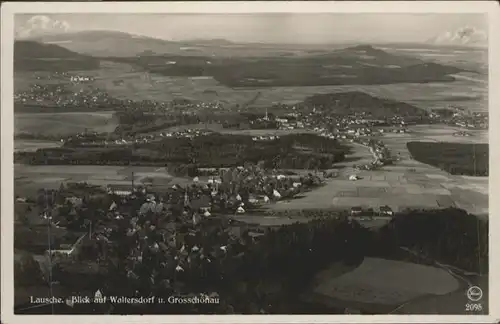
(474, 293)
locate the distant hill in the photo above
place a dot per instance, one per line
(370, 55)
(355, 65)
(344, 103)
(105, 43)
(110, 43)
(211, 42)
(32, 49)
(361, 65)
(34, 56)
(358, 65)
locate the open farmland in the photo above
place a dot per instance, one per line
(443, 133)
(467, 58)
(62, 124)
(469, 193)
(426, 96)
(381, 285)
(33, 145)
(29, 178)
(405, 184)
(123, 82)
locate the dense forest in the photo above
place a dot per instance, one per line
(298, 151)
(455, 158)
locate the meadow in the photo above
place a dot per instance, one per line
(63, 124)
(384, 283)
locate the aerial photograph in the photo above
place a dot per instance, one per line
(257, 163)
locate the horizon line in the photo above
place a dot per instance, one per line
(191, 40)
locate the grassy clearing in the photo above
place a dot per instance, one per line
(387, 282)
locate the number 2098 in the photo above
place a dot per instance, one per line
(473, 307)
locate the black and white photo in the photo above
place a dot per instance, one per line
(250, 163)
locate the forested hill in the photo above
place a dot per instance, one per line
(344, 103)
(34, 56)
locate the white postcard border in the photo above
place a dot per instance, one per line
(7, 119)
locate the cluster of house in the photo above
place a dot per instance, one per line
(51, 75)
(285, 123)
(80, 78)
(234, 191)
(211, 105)
(265, 138)
(359, 213)
(462, 133)
(471, 122)
(59, 95)
(95, 139)
(188, 133)
(463, 118)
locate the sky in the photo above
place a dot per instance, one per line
(271, 28)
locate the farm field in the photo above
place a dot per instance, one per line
(269, 220)
(322, 197)
(427, 96)
(443, 133)
(382, 285)
(66, 123)
(215, 127)
(30, 178)
(405, 184)
(33, 145)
